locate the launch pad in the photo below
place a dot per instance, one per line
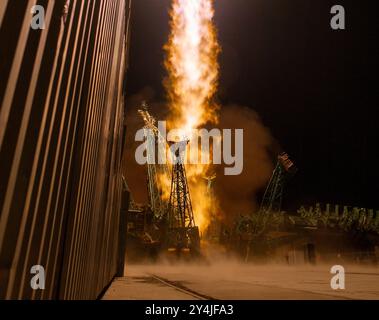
(171, 226)
(167, 224)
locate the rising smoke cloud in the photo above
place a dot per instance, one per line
(238, 194)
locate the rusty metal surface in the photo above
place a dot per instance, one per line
(61, 132)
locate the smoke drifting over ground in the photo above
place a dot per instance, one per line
(236, 194)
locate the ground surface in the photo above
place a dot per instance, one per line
(232, 281)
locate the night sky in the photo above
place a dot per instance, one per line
(316, 89)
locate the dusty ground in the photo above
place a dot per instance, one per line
(228, 280)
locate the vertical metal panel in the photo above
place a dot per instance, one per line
(3, 6)
(61, 116)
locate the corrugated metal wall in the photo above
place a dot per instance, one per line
(61, 128)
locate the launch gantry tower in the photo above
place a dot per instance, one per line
(182, 230)
(273, 196)
(157, 169)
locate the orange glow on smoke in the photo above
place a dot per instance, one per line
(193, 70)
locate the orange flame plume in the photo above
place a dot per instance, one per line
(193, 71)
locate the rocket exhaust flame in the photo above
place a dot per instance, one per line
(192, 65)
(193, 71)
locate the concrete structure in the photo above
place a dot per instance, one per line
(230, 280)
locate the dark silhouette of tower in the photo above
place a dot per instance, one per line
(180, 213)
(272, 199)
(182, 230)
